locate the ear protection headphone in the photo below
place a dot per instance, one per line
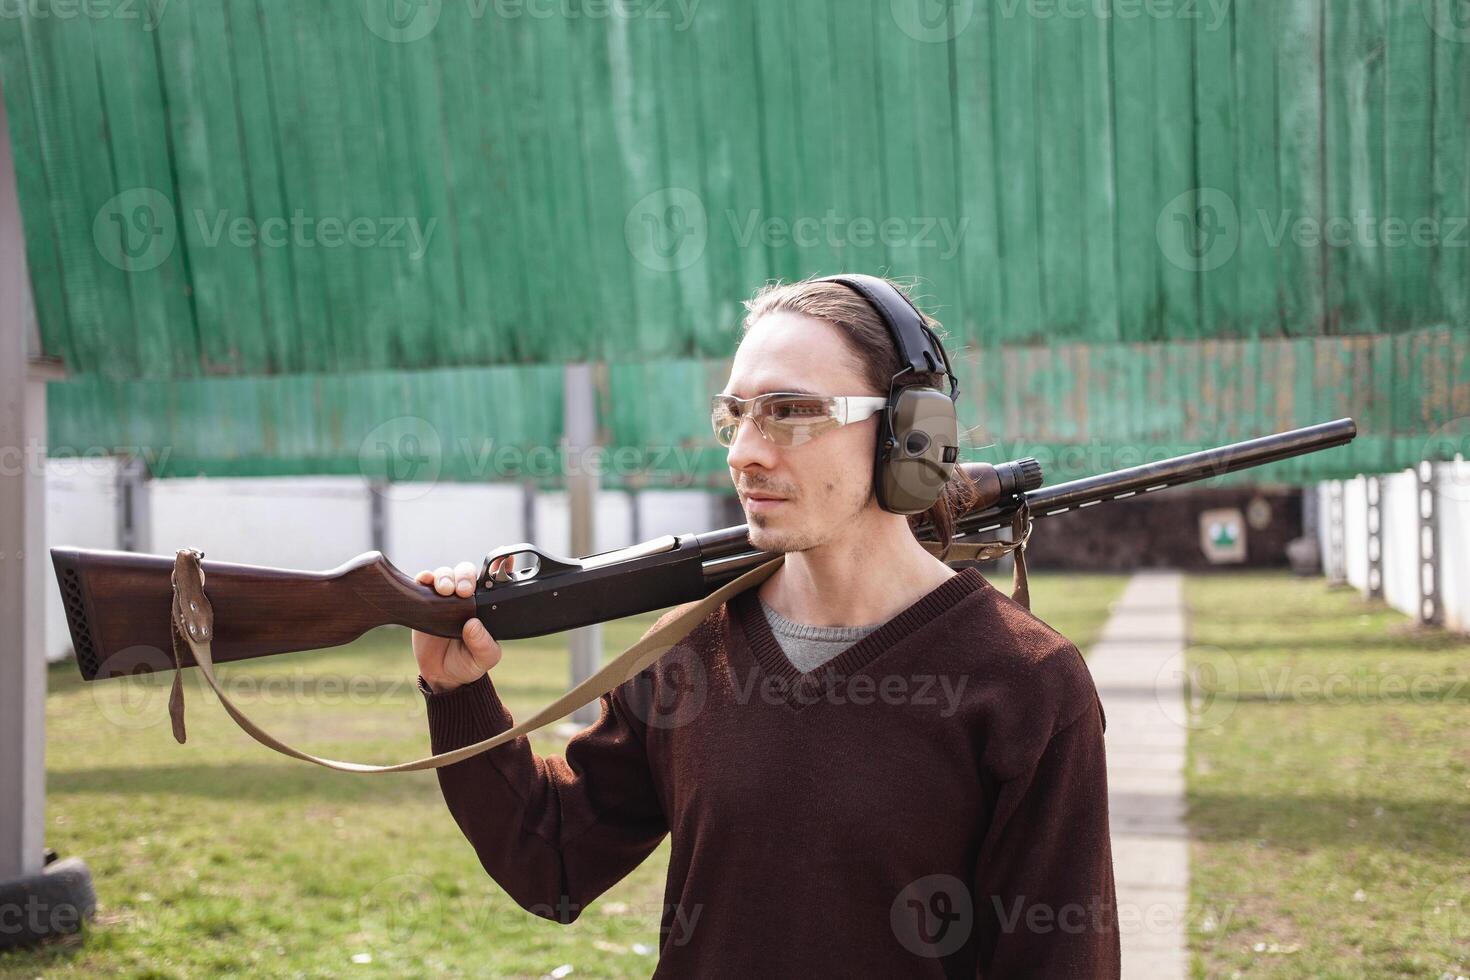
(918, 433)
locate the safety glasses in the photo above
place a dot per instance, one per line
(788, 419)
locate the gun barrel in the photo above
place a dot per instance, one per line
(1151, 477)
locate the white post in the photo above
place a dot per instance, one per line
(36, 900)
(579, 422)
(22, 546)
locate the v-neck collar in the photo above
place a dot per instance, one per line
(767, 652)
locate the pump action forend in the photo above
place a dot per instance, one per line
(118, 603)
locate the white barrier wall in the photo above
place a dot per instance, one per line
(81, 510)
(1399, 512)
(320, 522)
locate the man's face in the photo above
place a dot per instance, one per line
(826, 483)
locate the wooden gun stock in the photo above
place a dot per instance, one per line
(117, 606)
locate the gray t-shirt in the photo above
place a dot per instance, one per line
(808, 647)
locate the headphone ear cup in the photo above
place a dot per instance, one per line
(918, 456)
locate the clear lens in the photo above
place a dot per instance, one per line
(786, 420)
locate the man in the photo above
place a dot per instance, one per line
(874, 766)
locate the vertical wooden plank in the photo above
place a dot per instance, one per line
(980, 249)
(1215, 162)
(97, 270)
(1058, 128)
(1138, 200)
(1300, 97)
(660, 220)
(693, 327)
(898, 59)
(857, 28)
(1257, 136)
(1174, 127)
(1408, 165)
(1099, 179)
(32, 145)
(733, 159)
(1016, 150)
(1451, 166)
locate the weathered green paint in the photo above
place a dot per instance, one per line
(544, 151)
(1051, 142)
(1082, 408)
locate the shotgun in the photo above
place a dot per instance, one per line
(118, 603)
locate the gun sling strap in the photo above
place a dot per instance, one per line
(192, 623)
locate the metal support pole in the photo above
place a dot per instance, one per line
(1430, 608)
(133, 511)
(1375, 537)
(36, 900)
(1336, 565)
(580, 436)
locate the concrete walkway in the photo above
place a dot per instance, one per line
(1138, 667)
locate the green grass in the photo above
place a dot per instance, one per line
(1328, 785)
(220, 856)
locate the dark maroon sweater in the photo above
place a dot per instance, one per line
(932, 802)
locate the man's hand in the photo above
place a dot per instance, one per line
(444, 663)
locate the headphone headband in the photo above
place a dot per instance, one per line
(919, 350)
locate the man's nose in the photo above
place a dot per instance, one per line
(750, 447)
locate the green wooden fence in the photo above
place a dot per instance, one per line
(298, 190)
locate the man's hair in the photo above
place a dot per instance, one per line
(876, 355)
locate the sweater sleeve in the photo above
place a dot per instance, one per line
(555, 832)
(1045, 904)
